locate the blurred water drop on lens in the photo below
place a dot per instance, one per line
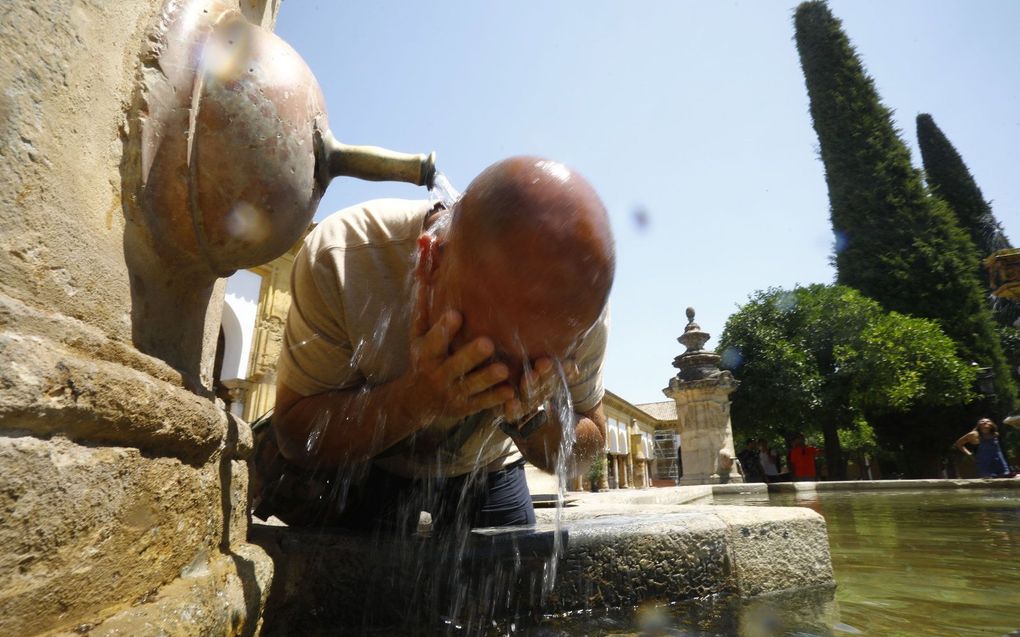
(652, 619)
(839, 242)
(786, 302)
(248, 223)
(732, 358)
(641, 218)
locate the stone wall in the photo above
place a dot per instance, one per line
(123, 487)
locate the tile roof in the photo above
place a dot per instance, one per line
(665, 410)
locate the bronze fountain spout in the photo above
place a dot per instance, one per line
(236, 145)
(228, 151)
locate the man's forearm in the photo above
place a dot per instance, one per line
(344, 426)
(542, 448)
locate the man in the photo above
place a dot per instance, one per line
(422, 344)
(749, 462)
(802, 460)
(768, 460)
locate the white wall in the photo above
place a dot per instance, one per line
(240, 307)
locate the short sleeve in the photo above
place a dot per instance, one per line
(317, 351)
(587, 391)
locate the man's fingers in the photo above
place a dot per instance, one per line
(436, 342)
(571, 370)
(539, 382)
(489, 399)
(483, 379)
(513, 410)
(467, 358)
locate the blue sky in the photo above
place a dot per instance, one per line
(692, 114)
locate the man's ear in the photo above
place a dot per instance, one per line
(429, 253)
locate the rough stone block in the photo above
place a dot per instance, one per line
(776, 548)
(220, 596)
(88, 527)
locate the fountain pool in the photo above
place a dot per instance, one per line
(908, 563)
(920, 562)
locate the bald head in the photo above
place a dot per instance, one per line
(535, 236)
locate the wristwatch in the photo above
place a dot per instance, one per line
(530, 426)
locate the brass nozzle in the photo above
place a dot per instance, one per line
(373, 163)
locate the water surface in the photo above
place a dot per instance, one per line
(922, 562)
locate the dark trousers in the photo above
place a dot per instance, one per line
(386, 502)
(367, 498)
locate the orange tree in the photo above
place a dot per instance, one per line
(825, 358)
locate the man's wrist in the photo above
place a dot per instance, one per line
(528, 427)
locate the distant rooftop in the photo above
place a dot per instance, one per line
(665, 410)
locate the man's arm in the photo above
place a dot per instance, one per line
(542, 447)
(342, 426)
(352, 425)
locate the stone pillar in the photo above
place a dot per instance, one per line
(632, 451)
(701, 391)
(123, 485)
(267, 341)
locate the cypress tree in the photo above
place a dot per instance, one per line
(894, 242)
(949, 178)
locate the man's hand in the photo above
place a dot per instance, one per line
(441, 382)
(538, 384)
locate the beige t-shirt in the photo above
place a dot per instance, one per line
(349, 327)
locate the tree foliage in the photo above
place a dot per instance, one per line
(826, 358)
(894, 242)
(949, 178)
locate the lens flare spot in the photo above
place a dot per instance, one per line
(247, 223)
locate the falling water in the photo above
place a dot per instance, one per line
(561, 404)
(443, 191)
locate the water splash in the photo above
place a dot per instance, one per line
(443, 191)
(445, 194)
(314, 440)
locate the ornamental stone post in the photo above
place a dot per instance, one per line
(701, 391)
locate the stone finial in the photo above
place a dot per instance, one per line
(693, 338)
(696, 363)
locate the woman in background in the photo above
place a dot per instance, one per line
(989, 459)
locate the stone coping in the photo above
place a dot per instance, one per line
(897, 485)
(613, 499)
(615, 553)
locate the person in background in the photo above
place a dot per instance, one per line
(802, 460)
(989, 459)
(748, 458)
(769, 461)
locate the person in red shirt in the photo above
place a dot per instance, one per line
(802, 460)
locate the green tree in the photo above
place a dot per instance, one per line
(949, 178)
(894, 242)
(826, 358)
